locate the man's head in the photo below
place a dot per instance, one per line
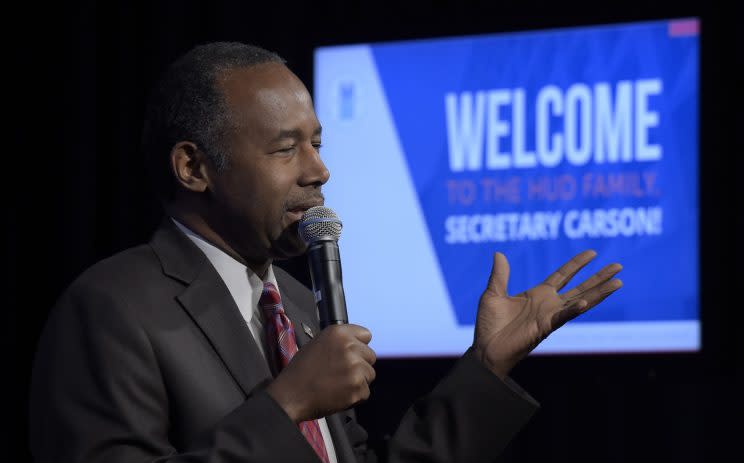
(232, 140)
(188, 105)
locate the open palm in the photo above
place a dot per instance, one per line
(510, 327)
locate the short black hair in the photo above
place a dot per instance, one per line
(187, 105)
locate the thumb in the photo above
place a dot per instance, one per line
(499, 278)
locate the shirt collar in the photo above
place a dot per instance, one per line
(242, 282)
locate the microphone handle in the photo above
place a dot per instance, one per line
(325, 270)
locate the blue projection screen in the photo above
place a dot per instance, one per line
(536, 144)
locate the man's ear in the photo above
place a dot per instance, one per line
(190, 166)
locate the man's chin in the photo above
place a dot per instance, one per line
(288, 245)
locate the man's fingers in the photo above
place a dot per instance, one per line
(359, 332)
(363, 336)
(563, 275)
(366, 353)
(598, 278)
(571, 310)
(370, 374)
(600, 292)
(499, 277)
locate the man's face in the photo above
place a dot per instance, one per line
(274, 171)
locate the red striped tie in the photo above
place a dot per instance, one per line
(280, 338)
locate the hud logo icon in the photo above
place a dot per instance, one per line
(346, 101)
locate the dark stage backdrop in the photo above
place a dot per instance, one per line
(75, 192)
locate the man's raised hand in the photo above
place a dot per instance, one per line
(509, 327)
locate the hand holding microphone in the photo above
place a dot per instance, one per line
(333, 371)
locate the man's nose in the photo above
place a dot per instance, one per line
(313, 169)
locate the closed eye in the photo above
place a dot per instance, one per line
(288, 149)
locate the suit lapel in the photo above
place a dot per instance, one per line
(303, 326)
(299, 306)
(341, 443)
(210, 305)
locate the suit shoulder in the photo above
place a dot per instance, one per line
(124, 271)
(127, 284)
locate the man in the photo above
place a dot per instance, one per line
(170, 351)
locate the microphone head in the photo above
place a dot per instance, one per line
(319, 223)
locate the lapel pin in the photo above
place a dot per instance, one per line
(308, 331)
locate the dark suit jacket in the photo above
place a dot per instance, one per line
(147, 358)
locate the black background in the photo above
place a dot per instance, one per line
(75, 80)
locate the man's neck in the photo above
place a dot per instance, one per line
(198, 225)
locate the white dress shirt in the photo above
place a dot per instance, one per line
(245, 288)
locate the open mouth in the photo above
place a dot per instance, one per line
(296, 212)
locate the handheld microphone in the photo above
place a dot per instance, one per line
(320, 228)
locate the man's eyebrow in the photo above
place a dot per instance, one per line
(294, 133)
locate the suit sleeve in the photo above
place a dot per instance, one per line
(97, 395)
(471, 415)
